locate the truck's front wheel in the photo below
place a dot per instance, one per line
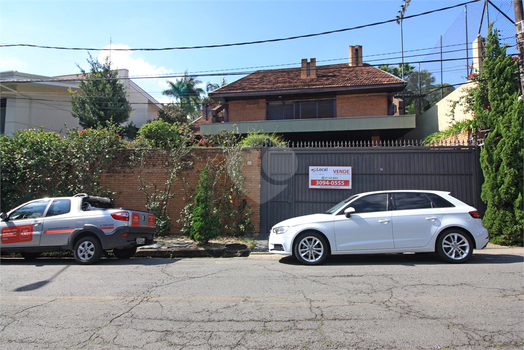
(88, 250)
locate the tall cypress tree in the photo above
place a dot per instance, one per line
(102, 100)
(497, 107)
(205, 223)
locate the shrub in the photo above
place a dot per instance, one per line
(33, 165)
(259, 140)
(89, 151)
(38, 164)
(161, 134)
(206, 223)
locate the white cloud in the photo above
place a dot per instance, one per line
(12, 63)
(138, 67)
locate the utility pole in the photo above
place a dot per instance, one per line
(400, 18)
(517, 6)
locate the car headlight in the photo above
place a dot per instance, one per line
(279, 230)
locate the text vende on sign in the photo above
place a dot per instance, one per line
(330, 177)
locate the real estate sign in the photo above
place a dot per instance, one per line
(330, 177)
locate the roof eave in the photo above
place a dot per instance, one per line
(352, 89)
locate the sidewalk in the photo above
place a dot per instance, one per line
(177, 247)
(500, 249)
(183, 248)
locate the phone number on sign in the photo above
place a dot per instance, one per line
(330, 183)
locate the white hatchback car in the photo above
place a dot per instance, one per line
(384, 222)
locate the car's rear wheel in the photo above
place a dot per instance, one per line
(88, 250)
(311, 248)
(124, 253)
(454, 246)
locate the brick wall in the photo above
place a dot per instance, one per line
(123, 178)
(247, 110)
(347, 106)
(362, 105)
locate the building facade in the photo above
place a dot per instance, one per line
(331, 102)
(33, 101)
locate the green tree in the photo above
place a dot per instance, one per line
(102, 100)
(206, 222)
(172, 113)
(397, 71)
(210, 87)
(187, 94)
(434, 94)
(419, 83)
(497, 107)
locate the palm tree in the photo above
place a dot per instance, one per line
(186, 92)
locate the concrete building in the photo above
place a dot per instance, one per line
(34, 101)
(440, 116)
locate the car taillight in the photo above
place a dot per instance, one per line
(121, 216)
(474, 214)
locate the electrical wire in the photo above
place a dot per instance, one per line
(240, 43)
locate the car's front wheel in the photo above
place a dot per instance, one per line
(454, 246)
(88, 250)
(311, 248)
(124, 253)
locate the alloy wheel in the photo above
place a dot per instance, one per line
(311, 249)
(456, 246)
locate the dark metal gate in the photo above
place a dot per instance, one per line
(285, 189)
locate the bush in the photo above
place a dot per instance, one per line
(161, 134)
(38, 164)
(34, 164)
(206, 222)
(260, 140)
(89, 151)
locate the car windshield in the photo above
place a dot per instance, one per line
(339, 205)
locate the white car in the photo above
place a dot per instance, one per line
(384, 222)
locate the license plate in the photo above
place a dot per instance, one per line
(141, 240)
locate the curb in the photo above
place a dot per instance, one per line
(224, 252)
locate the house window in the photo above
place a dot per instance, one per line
(306, 109)
(280, 110)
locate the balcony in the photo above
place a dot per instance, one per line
(389, 122)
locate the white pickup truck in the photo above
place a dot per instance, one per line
(87, 225)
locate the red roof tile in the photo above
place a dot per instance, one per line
(335, 77)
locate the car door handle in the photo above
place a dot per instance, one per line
(384, 221)
(431, 218)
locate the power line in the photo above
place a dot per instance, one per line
(196, 74)
(241, 43)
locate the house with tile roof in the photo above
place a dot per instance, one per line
(353, 101)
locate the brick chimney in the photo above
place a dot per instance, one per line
(309, 69)
(355, 56)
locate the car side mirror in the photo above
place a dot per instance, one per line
(3, 216)
(349, 211)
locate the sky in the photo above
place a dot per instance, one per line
(156, 24)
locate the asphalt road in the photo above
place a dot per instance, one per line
(265, 302)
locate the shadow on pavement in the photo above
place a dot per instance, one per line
(408, 259)
(71, 261)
